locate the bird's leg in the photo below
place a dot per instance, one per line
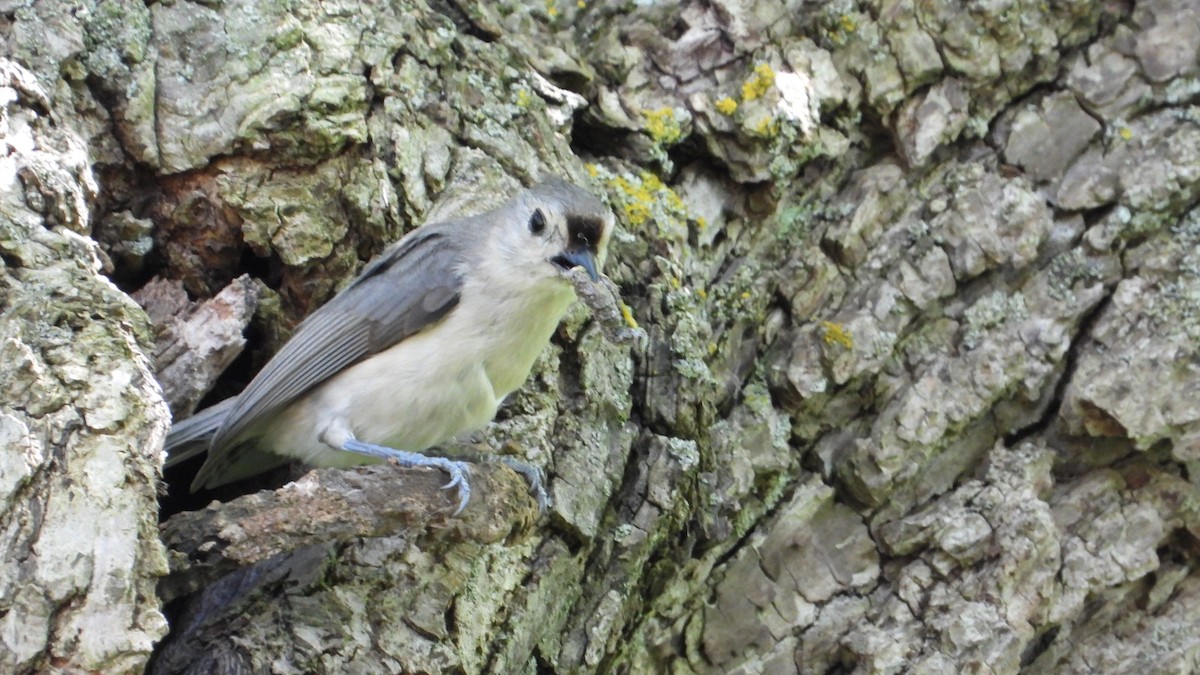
(458, 470)
(533, 474)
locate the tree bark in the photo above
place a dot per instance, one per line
(82, 421)
(920, 284)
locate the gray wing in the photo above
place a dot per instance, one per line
(407, 288)
(192, 436)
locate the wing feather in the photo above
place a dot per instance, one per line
(407, 288)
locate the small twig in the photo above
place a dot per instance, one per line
(603, 298)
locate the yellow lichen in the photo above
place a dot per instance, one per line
(640, 197)
(651, 183)
(552, 8)
(837, 333)
(524, 98)
(849, 24)
(726, 106)
(1126, 133)
(627, 314)
(592, 169)
(636, 213)
(636, 201)
(645, 198)
(663, 126)
(702, 293)
(759, 83)
(767, 127)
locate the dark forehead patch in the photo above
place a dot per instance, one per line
(584, 231)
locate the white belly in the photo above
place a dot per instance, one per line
(426, 390)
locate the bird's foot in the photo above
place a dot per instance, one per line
(533, 474)
(459, 471)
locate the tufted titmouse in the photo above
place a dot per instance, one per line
(421, 347)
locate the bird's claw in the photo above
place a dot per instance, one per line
(458, 478)
(459, 471)
(535, 476)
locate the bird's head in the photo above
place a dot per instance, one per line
(556, 226)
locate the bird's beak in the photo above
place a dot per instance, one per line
(581, 257)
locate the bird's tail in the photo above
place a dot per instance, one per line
(192, 436)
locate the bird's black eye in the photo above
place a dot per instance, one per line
(537, 222)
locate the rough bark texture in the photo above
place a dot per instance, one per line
(921, 285)
(82, 421)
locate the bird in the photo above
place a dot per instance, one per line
(421, 347)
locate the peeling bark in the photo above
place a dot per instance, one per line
(195, 342)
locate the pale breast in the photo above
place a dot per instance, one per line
(520, 335)
(431, 387)
(421, 392)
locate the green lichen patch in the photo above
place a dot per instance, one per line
(645, 204)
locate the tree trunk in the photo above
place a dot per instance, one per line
(82, 421)
(921, 284)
